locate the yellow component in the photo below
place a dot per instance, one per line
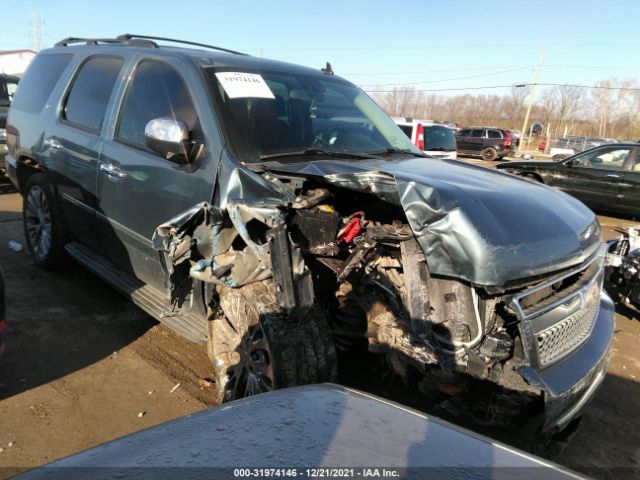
(326, 208)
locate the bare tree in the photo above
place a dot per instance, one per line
(401, 101)
(612, 110)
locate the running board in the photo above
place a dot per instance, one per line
(144, 296)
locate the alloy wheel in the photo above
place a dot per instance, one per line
(253, 372)
(38, 221)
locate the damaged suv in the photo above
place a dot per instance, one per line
(276, 213)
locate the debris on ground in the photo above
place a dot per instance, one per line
(15, 246)
(205, 383)
(175, 387)
(141, 414)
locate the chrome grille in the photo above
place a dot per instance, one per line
(555, 325)
(562, 338)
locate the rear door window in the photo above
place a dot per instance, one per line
(476, 133)
(88, 99)
(38, 81)
(407, 129)
(156, 90)
(439, 138)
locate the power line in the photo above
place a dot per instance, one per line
(487, 87)
(598, 87)
(470, 45)
(595, 67)
(446, 89)
(448, 79)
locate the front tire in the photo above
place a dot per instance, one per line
(489, 154)
(255, 347)
(43, 227)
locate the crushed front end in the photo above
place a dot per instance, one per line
(429, 269)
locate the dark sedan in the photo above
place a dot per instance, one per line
(606, 178)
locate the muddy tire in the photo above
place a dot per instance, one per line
(489, 154)
(255, 347)
(43, 224)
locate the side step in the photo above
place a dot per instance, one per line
(144, 296)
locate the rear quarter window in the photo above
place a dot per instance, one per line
(88, 99)
(38, 81)
(494, 134)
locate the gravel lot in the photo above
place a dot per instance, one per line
(83, 366)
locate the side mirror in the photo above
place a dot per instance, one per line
(169, 138)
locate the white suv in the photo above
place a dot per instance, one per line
(434, 139)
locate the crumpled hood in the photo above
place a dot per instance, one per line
(484, 226)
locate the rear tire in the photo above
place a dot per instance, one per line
(489, 154)
(43, 226)
(255, 347)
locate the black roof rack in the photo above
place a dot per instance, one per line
(129, 37)
(137, 41)
(65, 42)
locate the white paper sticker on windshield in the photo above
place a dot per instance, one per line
(244, 85)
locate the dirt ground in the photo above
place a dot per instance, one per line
(84, 366)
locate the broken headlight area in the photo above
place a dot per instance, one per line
(355, 256)
(623, 267)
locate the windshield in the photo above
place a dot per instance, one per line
(439, 138)
(269, 113)
(7, 89)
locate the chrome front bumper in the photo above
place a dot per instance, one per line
(568, 375)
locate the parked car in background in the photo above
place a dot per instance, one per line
(321, 430)
(515, 137)
(434, 139)
(450, 123)
(8, 86)
(565, 147)
(490, 143)
(606, 178)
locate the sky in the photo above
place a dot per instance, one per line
(436, 46)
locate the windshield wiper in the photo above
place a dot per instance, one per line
(395, 150)
(317, 152)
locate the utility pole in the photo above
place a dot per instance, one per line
(533, 94)
(37, 30)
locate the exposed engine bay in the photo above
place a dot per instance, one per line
(355, 256)
(623, 267)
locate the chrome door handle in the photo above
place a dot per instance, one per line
(612, 175)
(111, 170)
(52, 143)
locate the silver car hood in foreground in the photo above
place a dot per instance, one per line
(476, 224)
(304, 427)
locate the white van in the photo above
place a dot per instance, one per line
(434, 139)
